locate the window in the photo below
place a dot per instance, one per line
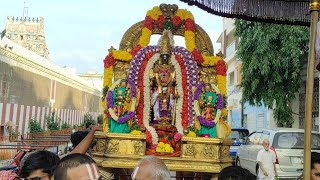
(294, 140)
(21, 37)
(230, 49)
(231, 78)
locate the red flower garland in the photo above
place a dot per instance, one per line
(160, 21)
(148, 137)
(197, 56)
(190, 25)
(221, 68)
(135, 50)
(148, 22)
(109, 60)
(176, 20)
(139, 110)
(184, 112)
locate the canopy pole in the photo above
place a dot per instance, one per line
(314, 8)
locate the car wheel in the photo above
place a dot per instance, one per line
(238, 162)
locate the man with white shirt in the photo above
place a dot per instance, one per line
(266, 160)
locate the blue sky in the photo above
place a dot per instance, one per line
(80, 32)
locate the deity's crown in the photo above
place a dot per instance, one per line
(165, 42)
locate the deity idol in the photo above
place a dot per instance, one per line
(121, 99)
(164, 93)
(208, 109)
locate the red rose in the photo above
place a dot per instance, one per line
(197, 56)
(221, 68)
(160, 21)
(189, 23)
(176, 20)
(109, 61)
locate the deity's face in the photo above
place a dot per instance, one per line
(164, 58)
(207, 88)
(123, 84)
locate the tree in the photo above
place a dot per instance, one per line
(272, 57)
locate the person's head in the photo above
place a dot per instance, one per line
(151, 168)
(266, 144)
(39, 164)
(235, 173)
(76, 166)
(77, 137)
(315, 165)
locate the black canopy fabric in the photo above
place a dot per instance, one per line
(294, 12)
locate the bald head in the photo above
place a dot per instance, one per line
(150, 167)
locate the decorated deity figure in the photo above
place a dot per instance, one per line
(207, 109)
(164, 93)
(121, 106)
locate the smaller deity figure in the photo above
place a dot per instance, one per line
(121, 99)
(208, 110)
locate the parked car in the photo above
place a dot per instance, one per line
(238, 134)
(288, 146)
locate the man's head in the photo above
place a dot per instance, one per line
(315, 165)
(77, 137)
(235, 173)
(75, 167)
(151, 168)
(266, 144)
(39, 164)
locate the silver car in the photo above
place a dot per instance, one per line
(288, 145)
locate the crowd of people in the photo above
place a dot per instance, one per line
(79, 165)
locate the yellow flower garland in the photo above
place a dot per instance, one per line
(210, 60)
(224, 112)
(107, 76)
(145, 37)
(154, 13)
(190, 40)
(221, 81)
(121, 55)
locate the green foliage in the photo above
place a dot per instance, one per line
(87, 118)
(75, 126)
(135, 126)
(100, 119)
(35, 126)
(65, 126)
(272, 57)
(52, 122)
(104, 92)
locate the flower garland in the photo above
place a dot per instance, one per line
(202, 120)
(131, 112)
(146, 99)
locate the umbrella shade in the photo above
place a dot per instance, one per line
(294, 12)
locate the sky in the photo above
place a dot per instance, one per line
(80, 32)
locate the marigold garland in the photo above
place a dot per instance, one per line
(121, 55)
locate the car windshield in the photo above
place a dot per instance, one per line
(294, 140)
(238, 134)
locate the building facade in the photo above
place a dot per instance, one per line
(31, 87)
